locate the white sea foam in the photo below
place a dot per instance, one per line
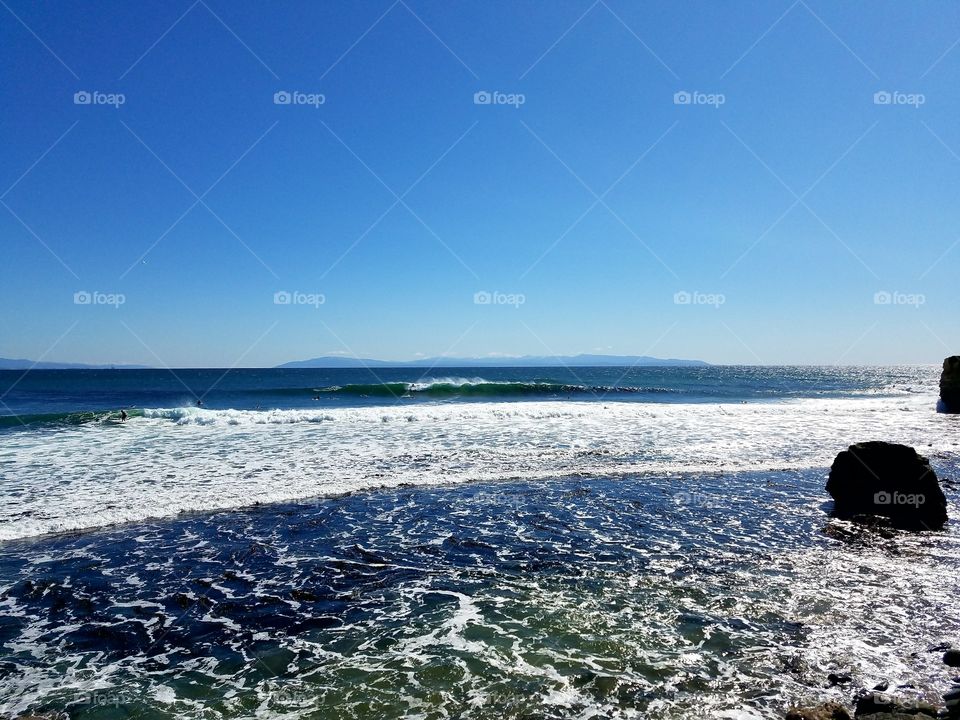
(185, 459)
(455, 382)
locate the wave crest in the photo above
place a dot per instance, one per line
(479, 387)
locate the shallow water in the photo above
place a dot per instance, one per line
(668, 597)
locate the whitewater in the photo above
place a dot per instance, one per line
(168, 461)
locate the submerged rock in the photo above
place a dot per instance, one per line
(951, 699)
(839, 678)
(950, 385)
(878, 706)
(869, 706)
(827, 711)
(888, 480)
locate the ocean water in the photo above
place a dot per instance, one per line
(510, 543)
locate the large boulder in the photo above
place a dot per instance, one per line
(890, 480)
(950, 386)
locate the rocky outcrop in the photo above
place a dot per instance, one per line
(952, 701)
(950, 386)
(888, 480)
(827, 711)
(871, 706)
(878, 706)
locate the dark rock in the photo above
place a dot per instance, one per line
(950, 386)
(584, 678)
(879, 705)
(889, 480)
(839, 678)
(881, 686)
(952, 658)
(827, 711)
(952, 701)
(182, 601)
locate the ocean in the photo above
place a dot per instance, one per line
(495, 542)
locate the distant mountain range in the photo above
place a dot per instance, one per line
(337, 361)
(522, 361)
(10, 364)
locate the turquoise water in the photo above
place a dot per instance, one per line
(509, 543)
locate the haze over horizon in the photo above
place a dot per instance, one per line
(236, 184)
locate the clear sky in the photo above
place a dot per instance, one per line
(157, 222)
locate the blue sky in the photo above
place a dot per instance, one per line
(786, 214)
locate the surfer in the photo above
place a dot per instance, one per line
(199, 403)
(123, 416)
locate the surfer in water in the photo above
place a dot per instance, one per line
(123, 416)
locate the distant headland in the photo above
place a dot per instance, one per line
(339, 361)
(500, 361)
